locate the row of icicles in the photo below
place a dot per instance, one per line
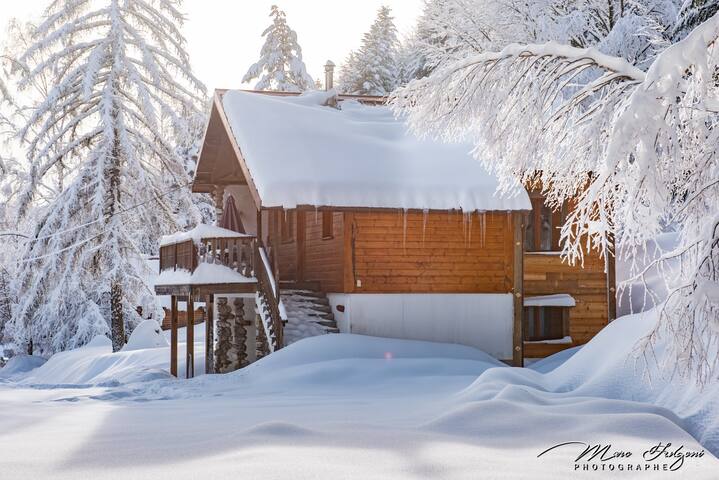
(467, 219)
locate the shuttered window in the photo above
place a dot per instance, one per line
(327, 224)
(543, 226)
(545, 323)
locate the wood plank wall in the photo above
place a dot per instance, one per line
(323, 256)
(440, 252)
(546, 274)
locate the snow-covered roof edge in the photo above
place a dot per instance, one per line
(556, 300)
(516, 202)
(199, 232)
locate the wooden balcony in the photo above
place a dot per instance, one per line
(207, 265)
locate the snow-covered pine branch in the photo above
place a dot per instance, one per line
(280, 66)
(121, 104)
(634, 152)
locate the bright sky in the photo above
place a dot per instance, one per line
(224, 39)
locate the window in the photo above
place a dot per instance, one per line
(545, 323)
(288, 225)
(543, 224)
(327, 224)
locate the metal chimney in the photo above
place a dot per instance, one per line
(329, 75)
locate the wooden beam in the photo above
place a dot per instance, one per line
(259, 228)
(190, 336)
(173, 335)
(611, 281)
(209, 333)
(236, 148)
(518, 288)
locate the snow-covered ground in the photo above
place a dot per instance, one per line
(348, 406)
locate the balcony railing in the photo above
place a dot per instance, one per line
(235, 253)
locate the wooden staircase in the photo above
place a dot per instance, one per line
(309, 312)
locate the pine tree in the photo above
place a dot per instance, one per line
(373, 70)
(280, 66)
(122, 93)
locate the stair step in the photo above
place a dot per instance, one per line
(333, 330)
(328, 323)
(312, 300)
(325, 316)
(312, 306)
(303, 293)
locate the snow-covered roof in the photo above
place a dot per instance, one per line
(198, 233)
(300, 152)
(557, 300)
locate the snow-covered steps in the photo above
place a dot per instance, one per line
(309, 313)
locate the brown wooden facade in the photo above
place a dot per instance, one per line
(374, 251)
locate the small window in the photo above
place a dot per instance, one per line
(288, 226)
(327, 224)
(543, 224)
(545, 323)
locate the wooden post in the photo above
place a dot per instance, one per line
(173, 335)
(190, 336)
(611, 281)
(518, 274)
(219, 196)
(209, 334)
(259, 227)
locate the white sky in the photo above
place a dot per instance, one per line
(223, 36)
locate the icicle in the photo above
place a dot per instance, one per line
(425, 216)
(469, 229)
(483, 227)
(317, 214)
(404, 231)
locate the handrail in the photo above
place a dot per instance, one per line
(269, 299)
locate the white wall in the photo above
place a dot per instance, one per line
(483, 321)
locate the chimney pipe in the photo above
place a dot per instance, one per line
(329, 75)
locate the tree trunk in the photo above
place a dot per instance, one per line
(117, 322)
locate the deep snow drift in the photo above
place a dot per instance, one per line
(346, 406)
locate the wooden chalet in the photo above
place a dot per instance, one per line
(389, 235)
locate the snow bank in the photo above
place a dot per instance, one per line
(146, 357)
(199, 232)
(607, 368)
(147, 334)
(20, 364)
(300, 152)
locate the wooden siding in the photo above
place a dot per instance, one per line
(323, 256)
(437, 252)
(287, 247)
(546, 274)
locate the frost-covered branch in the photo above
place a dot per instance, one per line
(631, 151)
